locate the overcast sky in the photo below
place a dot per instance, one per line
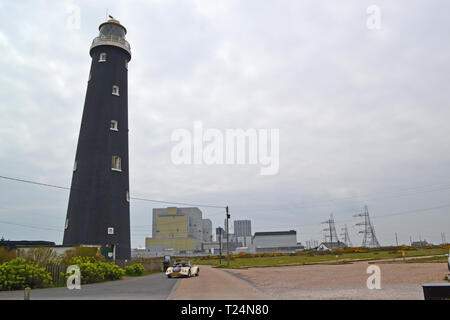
(363, 113)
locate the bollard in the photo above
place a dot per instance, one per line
(27, 293)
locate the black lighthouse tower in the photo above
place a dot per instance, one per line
(99, 210)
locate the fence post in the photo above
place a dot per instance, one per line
(27, 293)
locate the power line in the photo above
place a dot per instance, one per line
(179, 203)
(34, 182)
(134, 198)
(364, 198)
(29, 226)
(184, 203)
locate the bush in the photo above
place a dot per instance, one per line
(6, 255)
(94, 270)
(83, 252)
(19, 274)
(136, 269)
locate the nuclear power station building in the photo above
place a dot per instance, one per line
(99, 210)
(178, 229)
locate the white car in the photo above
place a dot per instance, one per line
(183, 269)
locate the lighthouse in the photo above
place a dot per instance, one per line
(99, 203)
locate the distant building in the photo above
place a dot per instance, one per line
(243, 231)
(178, 229)
(10, 245)
(275, 241)
(242, 228)
(326, 246)
(220, 234)
(420, 244)
(207, 230)
(26, 245)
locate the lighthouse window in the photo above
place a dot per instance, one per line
(116, 163)
(102, 57)
(128, 197)
(126, 64)
(114, 125)
(115, 90)
(75, 166)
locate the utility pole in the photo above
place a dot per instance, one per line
(220, 246)
(396, 239)
(228, 238)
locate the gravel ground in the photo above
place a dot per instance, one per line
(346, 281)
(217, 284)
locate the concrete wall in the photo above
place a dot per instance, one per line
(175, 243)
(150, 265)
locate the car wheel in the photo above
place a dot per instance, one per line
(198, 273)
(189, 274)
(169, 276)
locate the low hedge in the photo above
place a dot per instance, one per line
(18, 274)
(136, 269)
(94, 270)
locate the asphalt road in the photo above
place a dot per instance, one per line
(152, 287)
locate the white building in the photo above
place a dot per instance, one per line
(327, 246)
(275, 241)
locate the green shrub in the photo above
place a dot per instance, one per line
(19, 274)
(84, 252)
(136, 269)
(93, 270)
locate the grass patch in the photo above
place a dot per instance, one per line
(432, 259)
(297, 259)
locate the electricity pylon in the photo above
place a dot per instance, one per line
(369, 239)
(347, 241)
(331, 235)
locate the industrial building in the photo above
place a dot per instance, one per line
(243, 228)
(220, 234)
(243, 231)
(178, 229)
(207, 230)
(275, 241)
